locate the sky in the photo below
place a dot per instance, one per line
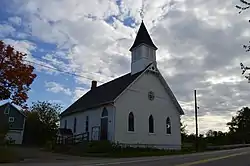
(199, 47)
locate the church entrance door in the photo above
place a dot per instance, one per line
(104, 129)
(104, 125)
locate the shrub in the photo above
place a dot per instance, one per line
(99, 147)
(50, 145)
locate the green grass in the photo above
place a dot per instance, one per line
(8, 156)
(129, 154)
(117, 153)
(146, 154)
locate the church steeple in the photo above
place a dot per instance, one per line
(143, 38)
(143, 50)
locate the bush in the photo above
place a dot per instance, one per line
(50, 145)
(99, 147)
(108, 149)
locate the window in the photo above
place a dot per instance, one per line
(168, 126)
(11, 119)
(104, 112)
(87, 124)
(65, 124)
(7, 110)
(75, 123)
(151, 124)
(131, 122)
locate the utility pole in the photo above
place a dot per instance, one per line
(196, 122)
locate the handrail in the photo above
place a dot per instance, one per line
(78, 138)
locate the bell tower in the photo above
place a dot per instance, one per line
(143, 51)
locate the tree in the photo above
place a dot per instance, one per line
(183, 132)
(41, 124)
(183, 128)
(245, 4)
(15, 76)
(239, 126)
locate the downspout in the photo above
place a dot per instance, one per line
(114, 114)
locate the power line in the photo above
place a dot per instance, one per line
(65, 72)
(56, 69)
(77, 75)
(135, 90)
(52, 62)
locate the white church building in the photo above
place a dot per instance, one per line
(136, 108)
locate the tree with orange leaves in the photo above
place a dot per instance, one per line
(15, 76)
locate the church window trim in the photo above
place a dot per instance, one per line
(7, 110)
(131, 122)
(168, 126)
(151, 124)
(104, 113)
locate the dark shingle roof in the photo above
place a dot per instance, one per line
(142, 37)
(102, 94)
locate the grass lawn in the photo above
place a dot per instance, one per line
(118, 154)
(7, 155)
(134, 154)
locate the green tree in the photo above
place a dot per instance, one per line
(239, 126)
(183, 128)
(43, 120)
(216, 137)
(183, 132)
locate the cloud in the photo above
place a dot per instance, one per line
(199, 41)
(23, 46)
(6, 30)
(15, 20)
(57, 88)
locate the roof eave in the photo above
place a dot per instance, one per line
(132, 83)
(172, 96)
(134, 47)
(82, 110)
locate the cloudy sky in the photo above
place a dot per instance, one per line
(199, 41)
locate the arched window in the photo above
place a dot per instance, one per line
(131, 122)
(104, 112)
(168, 126)
(151, 124)
(75, 125)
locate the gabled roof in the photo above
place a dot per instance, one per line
(110, 91)
(171, 94)
(11, 105)
(102, 94)
(143, 38)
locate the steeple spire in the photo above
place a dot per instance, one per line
(143, 38)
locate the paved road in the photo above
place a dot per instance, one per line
(235, 157)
